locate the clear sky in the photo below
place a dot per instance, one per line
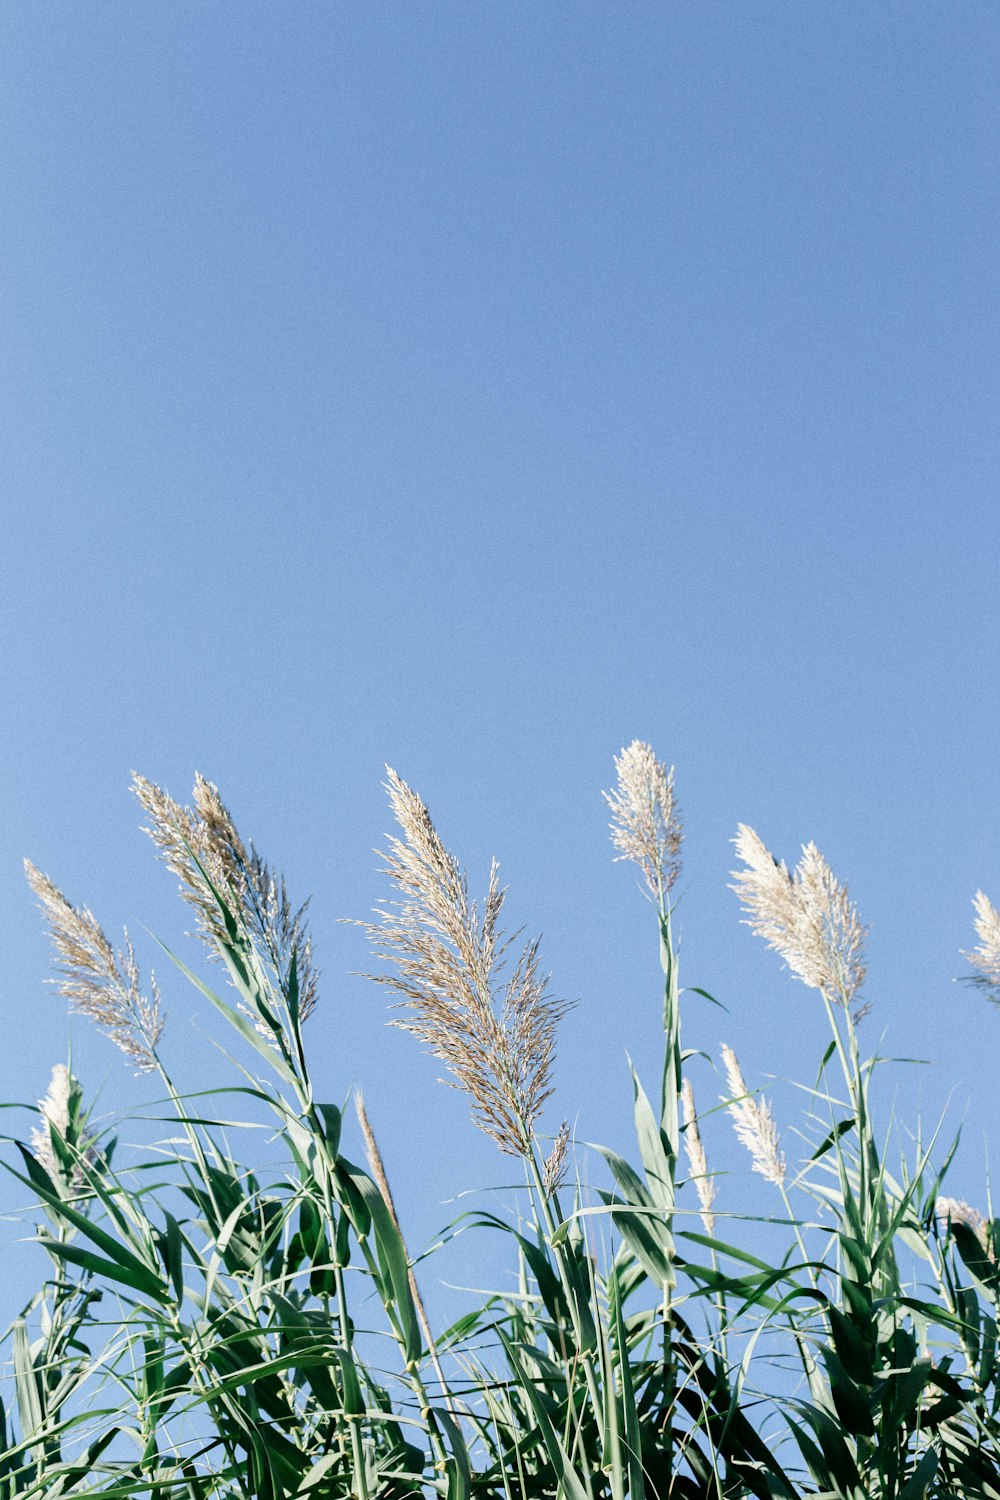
(474, 388)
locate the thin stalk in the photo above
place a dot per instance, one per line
(670, 1125)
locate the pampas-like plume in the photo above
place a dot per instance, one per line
(203, 848)
(753, 1122)
(554, 1169)
(59, 1116)
(807, 917)
(98, 980)
(696, 1157)
(645, 821)
(986, 958)
(646, 824)
(54, 1112)
(496, 1036)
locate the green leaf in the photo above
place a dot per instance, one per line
(920, 1480)
(840, 1129)
(633, 1434)
(459, 1463)
(173, 1254)
(135, 1276)
(29, 1399)
(570, 1482)
(97, 1236)
(392, 1259)
(238, 1021)
(656, 1161)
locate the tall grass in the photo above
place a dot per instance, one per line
(206, 1325)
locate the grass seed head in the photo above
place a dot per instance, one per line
(645, 821)
(554, 1169)
(985, 959)
(697, 1160)
(203, 848)
(60, 1115)
(807, 917)
(54, 1112)
(100, 981)
(753, 1122)
(492, 1024)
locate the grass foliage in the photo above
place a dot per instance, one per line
(209, 1327)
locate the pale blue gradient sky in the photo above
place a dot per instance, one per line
(474, 388)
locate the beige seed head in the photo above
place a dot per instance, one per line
(753, 1122)
(697, 1160)
(203, 848)
(985, 959)
(807, 917)
(645, 821)
(54, 1112)
(495, 1033)
(554, 1168)
(99, 981)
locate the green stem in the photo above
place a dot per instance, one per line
(544, 1207)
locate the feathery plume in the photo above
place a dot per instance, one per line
(554, 1168)
(807, 917)
(98, 980)
(955, 1211)
(220, 874)
(496, 1036)
(645, 821)
(986, 958)
(753, 1122)
(696, 1157)
(59, 1116)
(54, 1115)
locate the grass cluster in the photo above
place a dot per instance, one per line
(211, 1327)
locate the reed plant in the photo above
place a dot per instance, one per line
(212, 1323)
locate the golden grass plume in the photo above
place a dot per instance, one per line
(554, 1167)
(216, 869)
(493, 1027)
(100, 981)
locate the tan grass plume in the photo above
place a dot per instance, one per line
(645, 821)
(99, 981)
(554, 1167)
(753, 1122)
(494, 1027)
(807, 917)
(696, 1157)
(985, 959)
(203, 848)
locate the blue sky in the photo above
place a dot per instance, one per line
(476, 388)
